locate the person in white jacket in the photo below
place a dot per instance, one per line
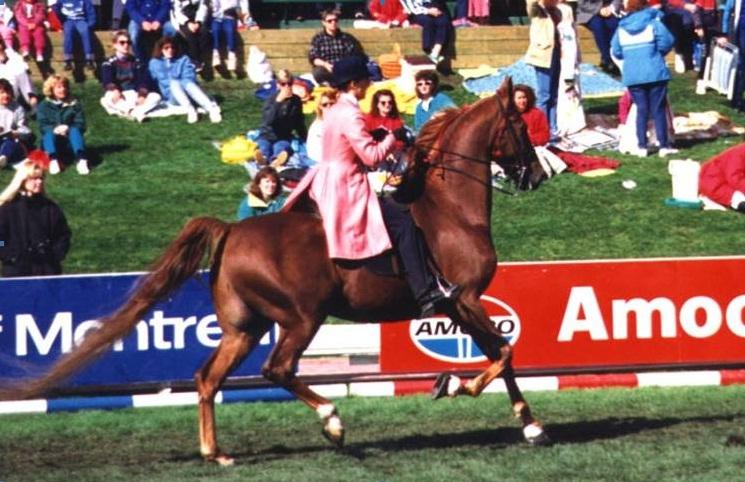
(189, 20)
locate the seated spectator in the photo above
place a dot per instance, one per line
(384, 114)
(150, 17)
(478, 10)
(177, 81)
(329, 45)
(601, 18)
(188, 18)
(7, 30)
(430, 100)
(14, 133)
(225, 16)
(388, 12)
(722, 178)
(62, 124)
(76, 16)
(264, 195)
(434, 18)
(314, 143)
(126, 82)
(30, 16)
(282, 114)
(15, 71)
(33, 228)
(535, 119)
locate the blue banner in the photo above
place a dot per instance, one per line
(42, 318)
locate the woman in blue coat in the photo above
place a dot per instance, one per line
(264, 195)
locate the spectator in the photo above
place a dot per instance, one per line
(430, 100)
(225, 16)
(264, 195)
(62, 124)
(735, 29)
(314, 143)
(76, 16)
(177, 81)
(14, 133)
(282, 114)
(642, 41)
(30, 17)
(544, 54)
(601, 18)
(384, 114)
(388, 12)
(534, 118)
(706, 29)
(434, 18)
(149, 16)
(679, 20)
(329, 46)
(15, 71)
(722, 178)
(126, 82)
(478, 10)
(188, 18)
(118, 8)
(33, 227)
(570, 117)
(7, 32)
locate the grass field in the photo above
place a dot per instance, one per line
(153, 177)
(601, 435)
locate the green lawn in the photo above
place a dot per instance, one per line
(154, 177)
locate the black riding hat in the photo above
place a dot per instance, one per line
(350, 68)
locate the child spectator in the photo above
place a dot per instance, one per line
(282, 114)
(126, 83)
(188, 18)
(30, 17)
(6, 28)
(430, 100)
(225, 15)
(13, 129)
(264, 195)
(314, 144)
(15, 70)
(62, 124)
(388, 12)
(177, 81)
(76, 16)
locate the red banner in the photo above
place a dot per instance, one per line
(592, 315)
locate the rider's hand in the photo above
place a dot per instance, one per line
(379, 134)
(402, 134)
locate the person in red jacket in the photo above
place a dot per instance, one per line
(722, 178)
(389, 12)
(535, 119)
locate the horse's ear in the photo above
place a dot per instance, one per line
(504, 92)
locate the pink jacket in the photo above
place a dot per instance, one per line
(724, 174)
(349, 208)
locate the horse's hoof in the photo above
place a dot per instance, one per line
(440, 389)
(334, 431)
(221, 459)
(536, 436)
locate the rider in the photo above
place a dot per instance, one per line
(357, 224)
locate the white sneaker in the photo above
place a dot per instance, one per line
(232, 61)
(680, 65)
(3, 161)
(215, 115)
(667, 151)
(40, 58)
(639, 152)
(82, 167)
(192, 116)
(215, 58)
(700, 87)
(54, 167)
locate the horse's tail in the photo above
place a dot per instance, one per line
(181, 260)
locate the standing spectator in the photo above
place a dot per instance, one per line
(642, 41)
(544, 54)
(149, 16)
(126, 82)
(314, 142)
(601, 18)
(225, 16)
(62, 124)
(329, 46)
(14, 133)
(188, 18)
(722, 178)
(177, 81)
(33, 228)
(6, 24)
(15, 70)
(430, 100)
(282, 114)
(735, 29)
(76, 16)
(388, 12)
(264, 195)
(30, 17)
(434, 19)
(706, 28)
(679, 20)
(570, 117)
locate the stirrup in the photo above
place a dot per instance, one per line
(450, 290)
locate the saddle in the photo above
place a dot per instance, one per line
(385, 264)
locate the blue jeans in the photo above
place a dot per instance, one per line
(740, 75)
(69, 28)
(270, 149)
(602, 29)
(435, 30)
(52, 143)
(13, 150)
(227, 27)
(135, 29)
(651, 100)
(547, 89)
(184, 91)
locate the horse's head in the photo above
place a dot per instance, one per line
(512, 147)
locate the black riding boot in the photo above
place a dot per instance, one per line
(410, 245)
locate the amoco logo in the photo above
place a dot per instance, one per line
(442, 339)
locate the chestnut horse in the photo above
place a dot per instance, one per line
(276, 267)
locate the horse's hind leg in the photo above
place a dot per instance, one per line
(240, 336)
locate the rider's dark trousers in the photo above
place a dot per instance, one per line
(409, 243)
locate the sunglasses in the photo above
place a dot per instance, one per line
(123, 42)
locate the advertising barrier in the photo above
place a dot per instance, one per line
(42, 318)
(595, 315)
